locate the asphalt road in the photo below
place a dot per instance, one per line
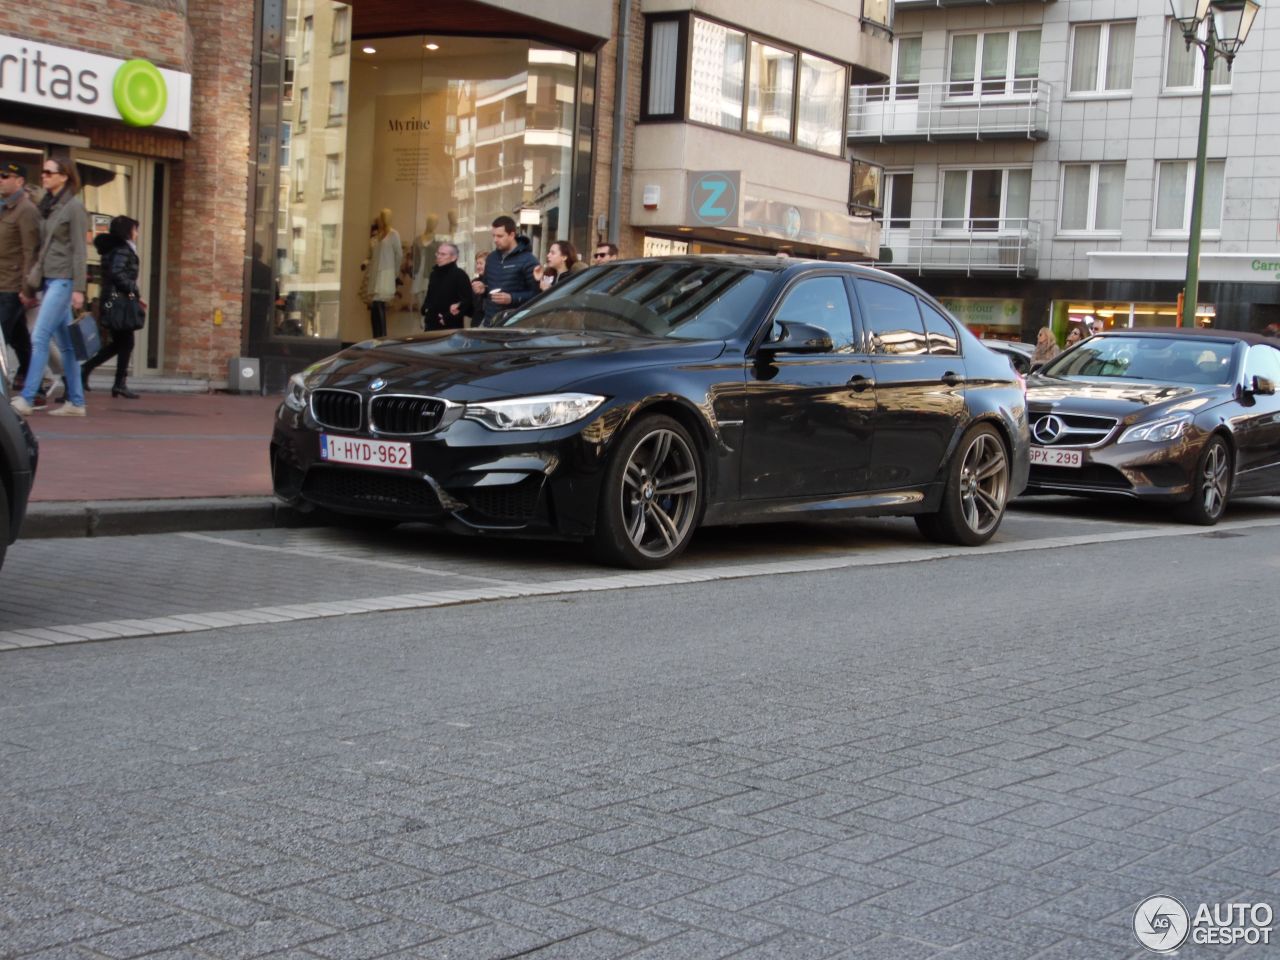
(800, 742)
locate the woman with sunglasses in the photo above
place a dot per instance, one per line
(61, 269)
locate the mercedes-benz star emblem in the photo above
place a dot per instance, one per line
(1047, 429)
(376, 385)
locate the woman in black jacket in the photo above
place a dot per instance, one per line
(121, 308)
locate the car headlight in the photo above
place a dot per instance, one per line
(1157, 431)
(533, 413)
(295, 395)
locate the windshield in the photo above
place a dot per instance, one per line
(1160, 359)
(653, 298)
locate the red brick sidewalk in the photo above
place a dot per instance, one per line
(161, 446)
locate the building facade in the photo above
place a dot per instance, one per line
(1039, 158)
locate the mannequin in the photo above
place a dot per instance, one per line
(424, 258)
(384, 261)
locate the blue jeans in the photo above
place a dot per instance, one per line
(51, 324)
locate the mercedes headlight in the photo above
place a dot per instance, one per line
(533, 413)
(1157, 431)
(295, 395)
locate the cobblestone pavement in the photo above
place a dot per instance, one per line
(996, 755)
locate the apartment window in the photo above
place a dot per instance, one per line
(296, 247)
(300, 178)
(286, 87)
(994, 64)
(1102, 57)
(337, 102)
(1174, 182)
(985, 199)
(897, 200)
(304, 108)
(341, 28)
(906, 68)
(1184, 69)
(308, 36)
(1092, 195)
(332, 174)
(286, 143)
(718, 75)
(879, 12)
(328, 247)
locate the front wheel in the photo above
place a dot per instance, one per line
(973, 504)
(651, 496)
(1210, 486)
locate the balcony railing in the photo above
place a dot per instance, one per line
(968, 246)
(917, 4)
(945, 111)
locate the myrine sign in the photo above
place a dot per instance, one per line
(134, 91)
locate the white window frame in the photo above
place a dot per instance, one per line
(891, 178)
(332, 175)
(1184, 231)
(968, 197)
(337, 97)
(1010, 66)
(896, 81)
(308, 39)
(1091, 230)
(1099, 90)
(1197, 74)
(339, 38)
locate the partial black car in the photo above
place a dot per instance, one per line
(643, 399)
(1019, 353)
(1179, 416)
(18, 455)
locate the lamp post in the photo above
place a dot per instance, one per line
(1226, 24)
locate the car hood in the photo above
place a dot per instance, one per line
(1119, 399)
(484, 363)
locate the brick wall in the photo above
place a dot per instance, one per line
(630, 241)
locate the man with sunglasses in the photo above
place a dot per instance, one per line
(19, 247)
(604, 252)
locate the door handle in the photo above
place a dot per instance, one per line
(951, 378)
(858, 383)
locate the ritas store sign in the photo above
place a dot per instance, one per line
(134, 91)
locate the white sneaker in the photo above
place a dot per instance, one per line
(21, 406)
(69, 410)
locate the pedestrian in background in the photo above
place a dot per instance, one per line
(384, 261)
(19, 247)
(60, 272)
(605, 252)
(508, 271)
(562, 260)
(1046, 346)
(121, 306)
(448, 299)
(1074, 336)
(477, 299)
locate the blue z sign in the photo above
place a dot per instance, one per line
(713, 198)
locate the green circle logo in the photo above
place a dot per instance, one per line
(140, 93)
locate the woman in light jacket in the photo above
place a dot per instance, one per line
(384, 262)
(63, 266)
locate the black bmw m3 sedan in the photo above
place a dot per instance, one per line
(645, 398)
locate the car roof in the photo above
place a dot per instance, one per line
(774, 264)
(1199, 333)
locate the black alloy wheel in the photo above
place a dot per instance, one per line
(651, 497)
(1211, 485)
(977, 493)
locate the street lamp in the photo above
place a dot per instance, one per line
(1226, 24)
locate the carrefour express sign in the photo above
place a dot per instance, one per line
(134, 91)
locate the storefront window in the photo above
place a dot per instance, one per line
(444, 134)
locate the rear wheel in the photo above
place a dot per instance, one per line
(977, 492)
(1210, 487)
(651, 496)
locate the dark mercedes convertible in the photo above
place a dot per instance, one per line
(1186, 417)
(644, 398)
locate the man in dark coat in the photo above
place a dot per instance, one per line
(19, 247)
(448, 298)
(508, 273)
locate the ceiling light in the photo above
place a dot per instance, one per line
(368, 49)
(433, 46)
(685, 229)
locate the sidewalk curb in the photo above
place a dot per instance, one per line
(110, 518)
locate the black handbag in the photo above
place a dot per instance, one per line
(122, 313)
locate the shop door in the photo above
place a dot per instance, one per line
(113, 186)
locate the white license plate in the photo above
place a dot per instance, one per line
(1049, 457)
(366, 453)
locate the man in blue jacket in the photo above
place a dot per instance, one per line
(508, 272)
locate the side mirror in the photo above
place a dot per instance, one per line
(799, 338)
(1262, 387)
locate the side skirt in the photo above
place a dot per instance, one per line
(881, 503)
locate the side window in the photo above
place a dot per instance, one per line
(1262, 361)
(821, 302)
(892, 318)
(943, 341)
